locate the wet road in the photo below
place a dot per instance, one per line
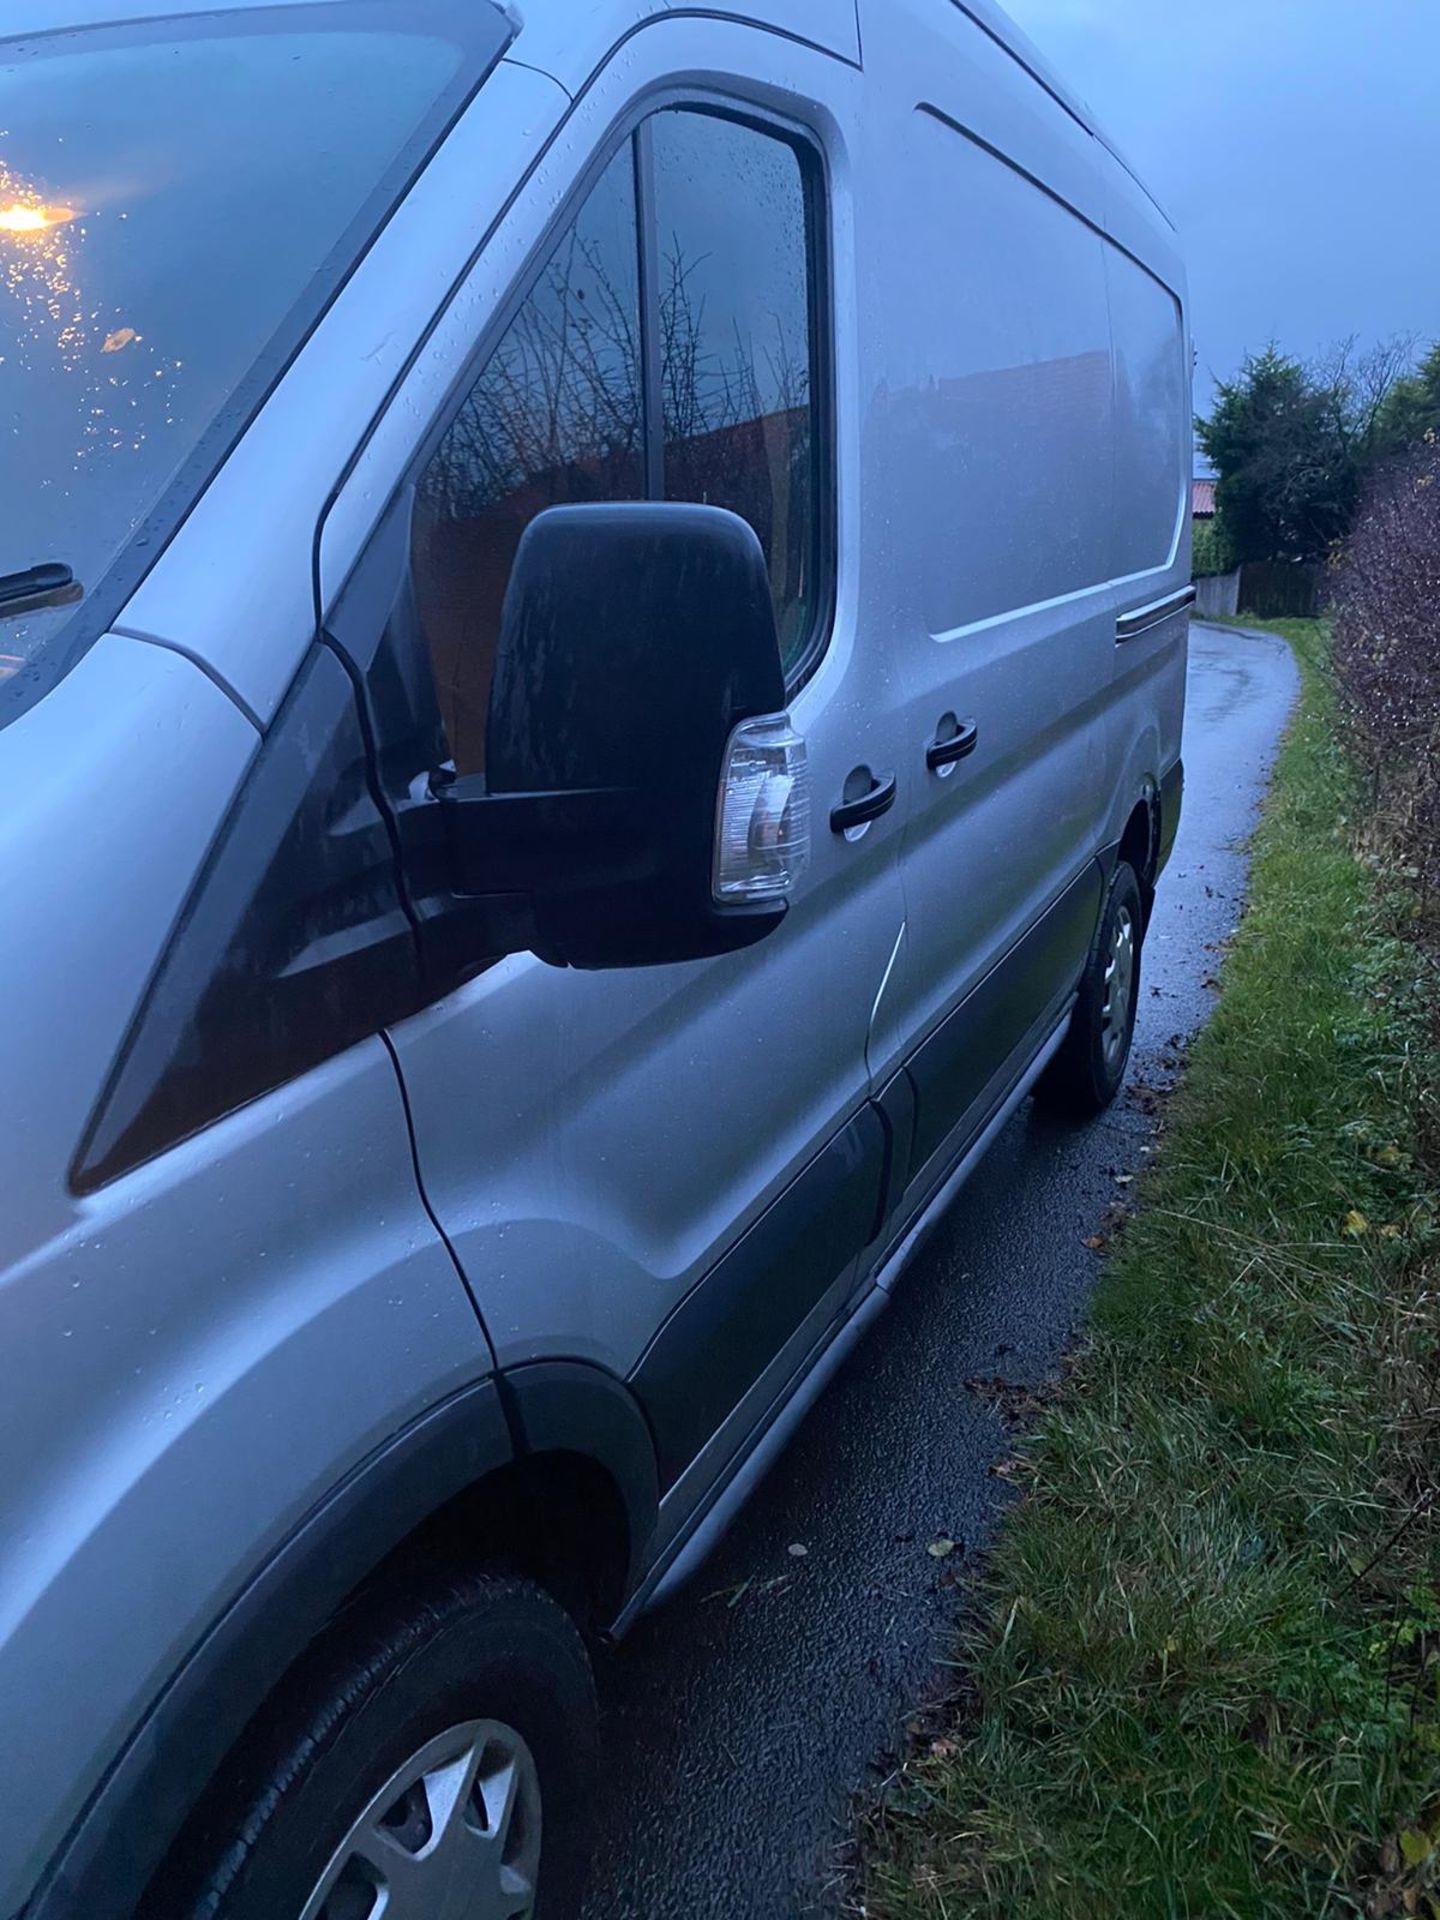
(742, 1717)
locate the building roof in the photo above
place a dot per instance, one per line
(1202, 499)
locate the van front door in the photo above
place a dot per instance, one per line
(668, 1174)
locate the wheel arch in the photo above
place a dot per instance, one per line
(1140, 844)
(558, 1450)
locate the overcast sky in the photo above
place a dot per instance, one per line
(1296, 145)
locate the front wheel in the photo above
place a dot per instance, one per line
(1086, 1074)
(433, 1761)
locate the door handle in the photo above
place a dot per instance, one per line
(944, 753)
(870, 806)
(1140, 620)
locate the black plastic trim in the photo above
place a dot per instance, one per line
(570, 1406)
(293, 946)
(960, 746)
(110, 1854)
(897, 1104)
(870, 806)
(1172, 805)
(718, 1342)
(705, 1528)
(652, 372)
(954, 1066)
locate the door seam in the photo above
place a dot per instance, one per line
(879, 997)
(425, 1201)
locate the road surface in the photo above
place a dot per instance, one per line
(742, 1718)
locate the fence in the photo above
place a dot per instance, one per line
(1218, 594)
(1270, 589)
(1282, 589)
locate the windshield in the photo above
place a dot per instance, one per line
(178, 200)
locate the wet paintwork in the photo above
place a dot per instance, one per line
(742, 1717)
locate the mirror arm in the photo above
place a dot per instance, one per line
(541, 843)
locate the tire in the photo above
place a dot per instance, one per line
(357, 1773)
(1086, 1074)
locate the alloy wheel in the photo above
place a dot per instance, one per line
(454, 1834)
(1115, 1017)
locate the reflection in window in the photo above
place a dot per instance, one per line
(556, 418)
(559, 414)
(735, 337)
(159, 261)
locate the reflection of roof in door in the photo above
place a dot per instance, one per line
(1202, 499)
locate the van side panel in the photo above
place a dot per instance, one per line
(989, 437)
(940, 54)
(1002, 381)
(1153, 450)
(1134, 224)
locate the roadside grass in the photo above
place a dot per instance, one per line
(1202, 1675)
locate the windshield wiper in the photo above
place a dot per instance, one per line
(51, 584)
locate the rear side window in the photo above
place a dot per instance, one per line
(667, 349)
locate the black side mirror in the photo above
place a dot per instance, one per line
(628, 815)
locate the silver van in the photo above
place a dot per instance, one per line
(620, 571)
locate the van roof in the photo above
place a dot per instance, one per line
(986, 14)
(991, 19)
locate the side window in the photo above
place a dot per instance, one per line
(556, 417)
(736, 318)
(693, 379)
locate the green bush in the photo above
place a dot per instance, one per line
(1214, 548)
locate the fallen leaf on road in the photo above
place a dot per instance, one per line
(940, 1549)
(796, 1551)
(1096, 1242)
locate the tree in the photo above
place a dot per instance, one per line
(1292, 446)
(1412, 408)
(1286, 489)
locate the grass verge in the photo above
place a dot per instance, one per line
(1201, 1676)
